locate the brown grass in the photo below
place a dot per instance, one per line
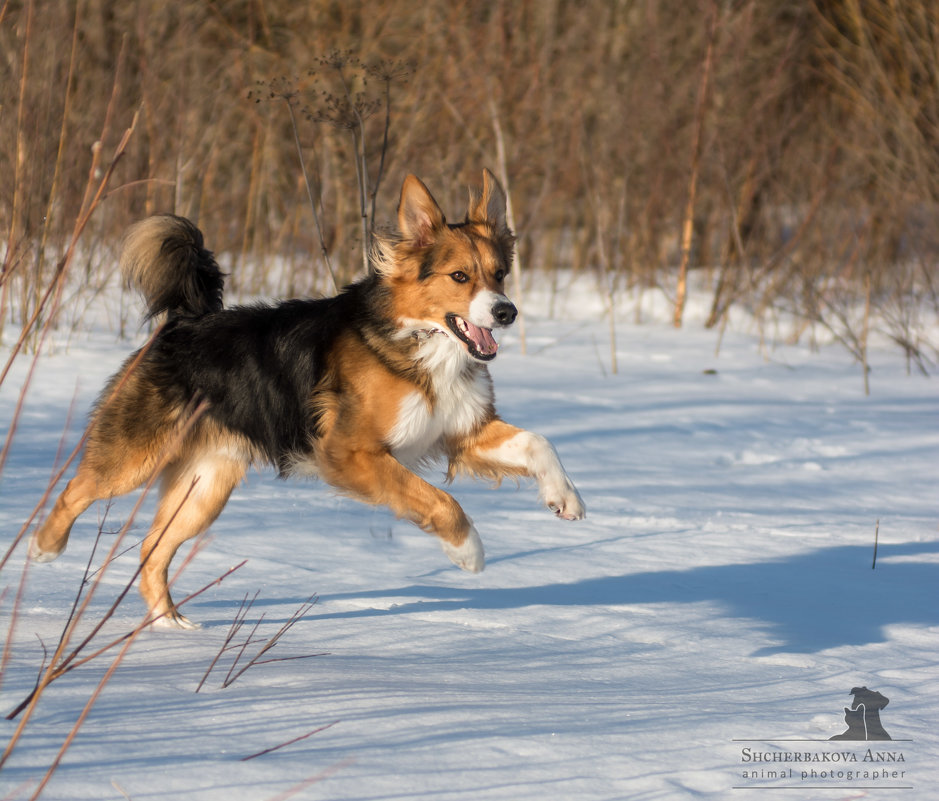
(813, 165)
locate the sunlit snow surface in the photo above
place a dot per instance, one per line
(719, 596)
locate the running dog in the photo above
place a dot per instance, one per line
(359, 389)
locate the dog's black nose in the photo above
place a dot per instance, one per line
(504, 312)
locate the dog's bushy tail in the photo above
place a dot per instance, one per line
(165, 258)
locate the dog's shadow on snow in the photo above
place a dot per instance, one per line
(808, 603)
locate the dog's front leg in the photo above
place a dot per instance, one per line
(377, 477)
(500, 450)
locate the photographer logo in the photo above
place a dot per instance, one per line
(863, 757)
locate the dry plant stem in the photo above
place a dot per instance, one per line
(731, 259)
(60, 153)
(90, 201)
(256, 659)
(55, 479)
(289, 742)
(384, 151)
(125, 638)
(147, 621)
(59, 665)
(14, 612)
(602, 231)
(357, 132)
(15, 793)
(865, 331)
(7, 268)
(54, 289)
(250, 640)
(309, 190)
(74, 616)
(232, 631)
(609, 279)
(614, 364)
(617, 269)
(84, 582)
(510, 217)
(61, 472)
(876, 537)
(301, 786)
(14, 618)
(831, 310)
(361, 171)
(128, 640)
(21, 158)
(17, 412)
(688, 221)
(244, 646)
(85, 711)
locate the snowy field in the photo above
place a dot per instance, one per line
(698, 636)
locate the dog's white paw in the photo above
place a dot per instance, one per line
(39, 555)
(470, 555)
(566, 503)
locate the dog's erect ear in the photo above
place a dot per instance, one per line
(489, 206)
(419, 216)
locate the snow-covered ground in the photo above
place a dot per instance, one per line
(696, 637)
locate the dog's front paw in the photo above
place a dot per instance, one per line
(566, 503)
(37, 554)
(470, 555)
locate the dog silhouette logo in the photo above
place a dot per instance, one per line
(863, 716)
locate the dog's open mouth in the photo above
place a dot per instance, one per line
(479, 341)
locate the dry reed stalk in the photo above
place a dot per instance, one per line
(20, 156)
(60, 151)
(127, 640)
(687, 230)
(301, 786)
(516, 274)
(324, 251)
(865, 333)
(93, 197)
(266, 645)
(61, 472)
(58, 665)
(289, 742)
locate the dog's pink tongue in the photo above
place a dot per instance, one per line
(482, 339)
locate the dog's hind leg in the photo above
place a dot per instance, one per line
(51, 537)
(126, 440)
(194, 492)
(105, 471)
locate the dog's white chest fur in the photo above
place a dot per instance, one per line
(463, 401)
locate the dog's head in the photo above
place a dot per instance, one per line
(448, 279)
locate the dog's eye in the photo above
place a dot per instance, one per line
(500, 275)
(459, 276)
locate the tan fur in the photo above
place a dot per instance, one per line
(352, 454)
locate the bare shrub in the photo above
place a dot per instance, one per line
(241, 663)
(820, 129)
